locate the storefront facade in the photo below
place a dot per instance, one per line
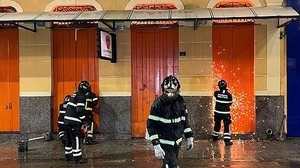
(197, 55)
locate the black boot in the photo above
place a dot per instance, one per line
(68, 157)
(215, 138)
(89, 141)
(80, 161)
(228, 143)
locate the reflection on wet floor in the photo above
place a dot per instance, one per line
(138, 153)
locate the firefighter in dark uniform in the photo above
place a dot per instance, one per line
(222, 112)
(168, 122)
(75, 120)
(60, 124)
(91, 102)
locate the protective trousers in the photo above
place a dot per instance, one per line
(227, 121)
(91, 123)
(61, 133)
(73, 142)
(171, 157)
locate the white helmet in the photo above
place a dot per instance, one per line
(170, 86)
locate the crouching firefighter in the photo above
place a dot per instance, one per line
(222, 112)
(75, 120)
(91, 102)
(61, 124)
(168, 122)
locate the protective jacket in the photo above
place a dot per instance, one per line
(223, 102)
(168, 121)
(75, 113)
(62, 111)
(91, 101)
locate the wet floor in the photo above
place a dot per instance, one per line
(138, 153)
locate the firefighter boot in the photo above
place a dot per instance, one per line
(68, 157)
(80, 160)
(215, 138)
(228, 143)
(89, 141)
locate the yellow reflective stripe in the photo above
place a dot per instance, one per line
(68, 148)
(178, 141)
(167, 121)
(80, 104)
(215, 133)
(72, 104)
(155, 118)
(225, 102)
(222, 112)
(76, 150)
(187, 130)
(72, 118)
(168, 142)
(68, 152)
(155, 136)
(77, 154)
(177, 119)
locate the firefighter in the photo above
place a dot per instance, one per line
(168, 122)
(76, 121)
(60, 124)
(222, 112)
(91, 102)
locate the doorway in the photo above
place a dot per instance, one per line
(233, 61)
(74, 59)
(154, 55)
(9, 80)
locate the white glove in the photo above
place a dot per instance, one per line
(190, 143)
(159, 152)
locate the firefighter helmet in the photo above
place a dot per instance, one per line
(84, 86)
(222, 84)
(170, 86)
(67, 98)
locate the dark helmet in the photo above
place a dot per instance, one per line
(222, 84)
(67, 98)
(89, 88)
(84, 86)
(170, 86)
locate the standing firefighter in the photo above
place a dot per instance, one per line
(61, 124)
(75, 120)
(168, 122)
(222, 112)
(91, 101)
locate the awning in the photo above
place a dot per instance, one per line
(108, 16)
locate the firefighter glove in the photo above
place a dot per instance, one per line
(190, 143)
(159, 152)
